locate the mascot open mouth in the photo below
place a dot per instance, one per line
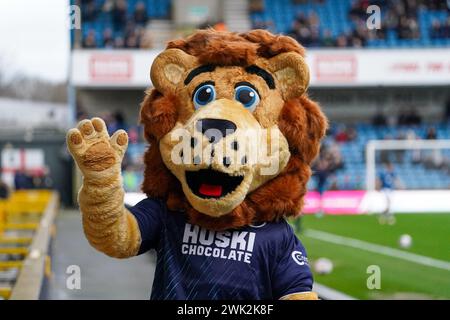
(209, 183)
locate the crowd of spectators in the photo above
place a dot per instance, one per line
(440, 30)
(121, 29)
(399, 17)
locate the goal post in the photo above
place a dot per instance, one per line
(379, 145)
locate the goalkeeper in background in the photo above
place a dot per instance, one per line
(387, 181)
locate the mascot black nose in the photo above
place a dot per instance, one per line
(215, 129)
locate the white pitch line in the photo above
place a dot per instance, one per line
(328, 293)
(376, 248)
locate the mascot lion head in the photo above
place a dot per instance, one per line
(231, 129)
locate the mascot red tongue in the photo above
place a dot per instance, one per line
(227, 210)
(211, 190)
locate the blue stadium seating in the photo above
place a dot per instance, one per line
(412, 176)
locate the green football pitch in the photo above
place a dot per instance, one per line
(355, 242)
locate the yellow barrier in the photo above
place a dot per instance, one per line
(20, 213)
(37, 266)
(27, 201)
(21, 226)
(14, 250)
(15, 240)
(5, 292)
(4, 265)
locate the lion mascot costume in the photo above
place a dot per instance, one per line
(231, 134)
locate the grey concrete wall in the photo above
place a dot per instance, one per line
(353, 105)
(341, 105)
(97, 102)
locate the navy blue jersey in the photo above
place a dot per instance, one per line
(255, 262)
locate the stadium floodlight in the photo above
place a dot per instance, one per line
(379, 145)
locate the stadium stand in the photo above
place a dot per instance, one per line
(119, 24)
(416, 23)
(416, 170)
(404, 23)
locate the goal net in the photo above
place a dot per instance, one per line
(408, 164)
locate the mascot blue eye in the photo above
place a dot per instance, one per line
(204, 95)
(247, 96)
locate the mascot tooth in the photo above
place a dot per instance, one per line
(232, 134)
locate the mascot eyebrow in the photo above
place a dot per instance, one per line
(263, 74)
(195, 72)
(253, 69)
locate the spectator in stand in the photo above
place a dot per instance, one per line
(90, 41)
(342, 41)
(108, 38)
(379, 119)
(140, 14)
(89, 11)
(119, 42)
(431, 134)
(301, 19)
(436, 30)
(132, 42)
(341, 135)
(327, 39)
(352, 134)
(358, 10)
(119, 15)
(256, 6)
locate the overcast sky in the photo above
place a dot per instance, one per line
(34, 38)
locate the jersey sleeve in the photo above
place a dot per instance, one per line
(148, 214)
(292, 273)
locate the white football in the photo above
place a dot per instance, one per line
(405, 241)
(323, 266)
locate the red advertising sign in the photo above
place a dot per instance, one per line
(111, 67)
(336, 67)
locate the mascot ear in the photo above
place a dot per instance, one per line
(291, 73)
(169, 68)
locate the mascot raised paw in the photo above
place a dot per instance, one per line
(232, 135)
